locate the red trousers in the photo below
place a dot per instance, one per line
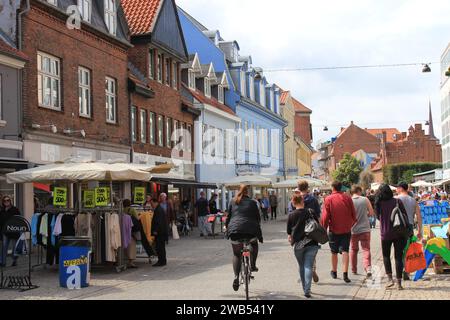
(364, 239)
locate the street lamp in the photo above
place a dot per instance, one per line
(426, 68)
(38, 126)
(70, 131)
(447, 73)
(325, 128)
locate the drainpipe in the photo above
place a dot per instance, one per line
(19, 31)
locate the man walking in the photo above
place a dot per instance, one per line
(160, 232)
(361, 231)
(413, 211)
(203, 210)
(339, 216)
(312, 203)
(273, 205)
(372, 219)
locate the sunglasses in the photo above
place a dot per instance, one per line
(7, 200)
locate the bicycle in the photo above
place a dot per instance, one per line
(246, 269)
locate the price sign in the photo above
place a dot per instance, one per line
(139, 195)
(60, 197)
(89, 199)
(101, 197)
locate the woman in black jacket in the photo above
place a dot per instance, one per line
(243, 223)
(7, 211)
(305, 249)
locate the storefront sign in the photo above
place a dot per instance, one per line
(89, 199)
(60, 197)
(101, 197)
(16, 225)
(139, 195)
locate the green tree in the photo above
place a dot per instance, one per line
(395, 173)
(366, 179)
(407, 176)
(348, 171)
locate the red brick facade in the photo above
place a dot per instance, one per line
(303, 126)
(44, 30)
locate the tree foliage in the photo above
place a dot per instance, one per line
(393, 174)
(366, 178)
(348, 171)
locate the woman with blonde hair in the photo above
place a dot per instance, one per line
(243, 223)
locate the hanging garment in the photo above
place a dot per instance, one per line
(58, 227)
(98, 241)
(50, 249)
(43, 230)
(103, 238)
(34, 228)
(115, 235)
(127, 225)
(67, 224)
(83, 225)
(52, 230)
(38, 230)
(109, 252)
(146, 219)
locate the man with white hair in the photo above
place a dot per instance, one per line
(168, 210)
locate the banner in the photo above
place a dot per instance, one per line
(101, 197)
(89, 199)
(139, 195)
(60, 197)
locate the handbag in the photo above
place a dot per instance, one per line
(175, 234)
(314, 230)
(415, 258)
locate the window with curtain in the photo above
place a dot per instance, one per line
(111, 100)
(143, 126)
(151, 64)
(49, 81)
(133, 124)
(85, 8)
(84, 92)
(111, 16)
(168, 132)
(152, 122)
(160, 131)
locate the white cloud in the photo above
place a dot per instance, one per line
(303, 33)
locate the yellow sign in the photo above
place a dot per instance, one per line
(89, 199)
(101, 197)
(139, 195)
(60, 197)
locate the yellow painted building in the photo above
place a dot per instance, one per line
(304, 158)
(290, 143)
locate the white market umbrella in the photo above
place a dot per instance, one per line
(253, 181)
(80, 171)
(293, 183)
(422, 183)
(376, 186)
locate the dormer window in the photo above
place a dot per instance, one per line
(243, 84)
(191, 79)
(252, 88)
(207, 88)
(85, 8)
(221, 94)
(111, 16)
(262, 90)
(272, 101)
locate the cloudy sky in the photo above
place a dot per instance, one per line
(325, 33)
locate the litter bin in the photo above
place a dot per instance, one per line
(74, 262)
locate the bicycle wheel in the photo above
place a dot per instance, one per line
(247, 277)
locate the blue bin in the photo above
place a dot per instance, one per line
(74, 262)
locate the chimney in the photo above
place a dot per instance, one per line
(384, 137)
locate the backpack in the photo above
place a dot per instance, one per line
(314, 230)
(399, 222)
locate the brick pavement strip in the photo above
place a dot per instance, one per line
(200, 269)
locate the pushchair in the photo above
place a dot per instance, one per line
(184, 224)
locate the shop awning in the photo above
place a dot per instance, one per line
(184, 183)
(41, 186)
(253, 181)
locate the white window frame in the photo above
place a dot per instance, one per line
(111, 16)
(111, 95)
(175, 131)
(52, 75)
(221, 94)
(151, 63)
(84, 89)
(252, 88)
(160, 68)
(175, 75)
(191, 79)
(189, 142)
(169, 126)
(152, 128)
(272, 100)
(53, 2)
(160, 129)
(167, 72)
(240, 137)
(243, 84)
(262, 89)
(133, 124)
(207, 87)
(85, 8)
(143, 125)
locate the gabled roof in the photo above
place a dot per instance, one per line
(208, 71)
(222, 79)
(389, 133)
(210, 101)
(141, 15)
(193, 63)
(300, 107)
(284, 97)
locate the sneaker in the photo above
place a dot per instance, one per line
(390, 283)
(236, 284)
(346, 279)
(398, 285)
(254, 269)
(159, 264)
(333, 274)
(406, 276)
(308, 295)
(201, 234)
(315, 277)
(14, 264)
(369, 275)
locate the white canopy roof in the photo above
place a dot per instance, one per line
(422, 183)
(375, 186)
(85, 171)
(254, 181)
(293, 183)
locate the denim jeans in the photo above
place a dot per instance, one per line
(305, 258)
(5, 246)
(204, 225)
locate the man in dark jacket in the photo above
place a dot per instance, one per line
(7, 211)
(160, 232)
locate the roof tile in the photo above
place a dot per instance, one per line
(7, 49)
(141, 14)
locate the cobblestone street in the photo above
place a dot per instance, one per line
(200, 269)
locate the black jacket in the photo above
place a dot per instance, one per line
(296, 226)
(159, 223)
(312, 203)
(5, 216)
(244, 218)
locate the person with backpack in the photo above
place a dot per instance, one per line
(394, 232)
(305, 248)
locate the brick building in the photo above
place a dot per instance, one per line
(303, 128)
(75, 100)
(158, 107)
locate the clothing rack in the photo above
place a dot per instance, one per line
(143, 209)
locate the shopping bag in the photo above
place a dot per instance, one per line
(415, 258)
(175, 234)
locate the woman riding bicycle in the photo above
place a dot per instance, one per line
(243, 223)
